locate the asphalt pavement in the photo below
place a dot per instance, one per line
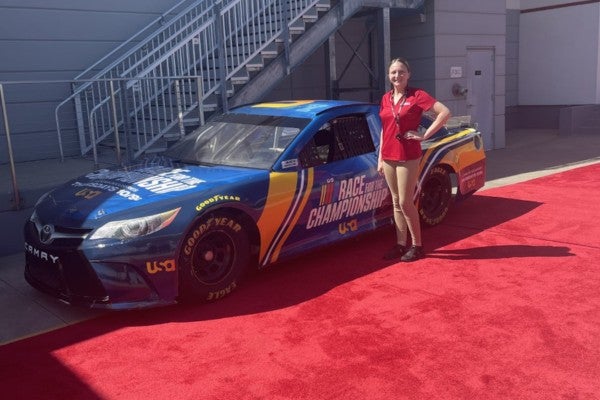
(24, 312)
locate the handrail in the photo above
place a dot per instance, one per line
(139, 46)
(10, 150)
(209, 40)
(159, 20)
(124, 84)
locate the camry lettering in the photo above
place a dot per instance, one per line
(42, 255)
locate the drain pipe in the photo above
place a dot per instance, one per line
(17, 198)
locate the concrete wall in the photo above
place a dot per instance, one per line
(512, 57)
(59, 38)
(557, 64)
(440, 40)
(558, 53)
(55, 40)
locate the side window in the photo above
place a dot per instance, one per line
(338, 139)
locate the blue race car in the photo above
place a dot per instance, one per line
(250, 188)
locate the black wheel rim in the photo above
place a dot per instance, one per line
(434, 197)
(213, 258)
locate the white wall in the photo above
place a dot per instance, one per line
(558, 53)
(461, 25)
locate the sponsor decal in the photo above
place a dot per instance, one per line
(154, 267)
(171, 181)
(127, 183)
(293, 163)
(216, 199)
(472, 177)
(349, 226)
(354, 196)
(87, 193)
(42, 255)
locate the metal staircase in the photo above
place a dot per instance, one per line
(199, 57)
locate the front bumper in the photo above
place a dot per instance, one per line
(63, 271)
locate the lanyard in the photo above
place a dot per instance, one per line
(397, 115)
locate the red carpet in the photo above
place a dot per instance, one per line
(506, 306)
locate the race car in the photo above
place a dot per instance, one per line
(249, 189)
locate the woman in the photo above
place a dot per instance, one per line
(400, 151)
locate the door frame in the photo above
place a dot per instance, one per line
(469, 71)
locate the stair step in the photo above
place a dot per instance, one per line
(164, 106)
(323, 6)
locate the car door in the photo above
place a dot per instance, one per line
(344, 195)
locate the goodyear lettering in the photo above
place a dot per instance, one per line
(154, 267)
(216, 198)
(42, 255)
(197, 233)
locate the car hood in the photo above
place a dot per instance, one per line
(106, 192)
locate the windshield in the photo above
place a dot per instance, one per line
(238, 140)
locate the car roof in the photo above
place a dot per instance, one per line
(295, 108)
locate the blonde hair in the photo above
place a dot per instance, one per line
(400, 60)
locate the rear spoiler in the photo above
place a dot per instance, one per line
(463, 121)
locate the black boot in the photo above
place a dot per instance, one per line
(413, 254)
(395, 252)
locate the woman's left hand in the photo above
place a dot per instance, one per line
(414, 135)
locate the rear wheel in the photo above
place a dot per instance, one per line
(214, 258)
(435, 196)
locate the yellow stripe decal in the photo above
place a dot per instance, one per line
(284, 104)
(282, 187)
(298, 212)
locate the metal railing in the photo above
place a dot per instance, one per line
(119, 148)
(11, 159)
(215, 42)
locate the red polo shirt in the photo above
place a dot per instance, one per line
(409, 111)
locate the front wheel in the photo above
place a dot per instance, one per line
(214, 258)
(435, 196)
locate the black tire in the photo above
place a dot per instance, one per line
(214, 258)
(435, 196)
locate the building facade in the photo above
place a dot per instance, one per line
(506, 63)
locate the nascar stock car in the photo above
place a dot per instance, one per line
(251, 187)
